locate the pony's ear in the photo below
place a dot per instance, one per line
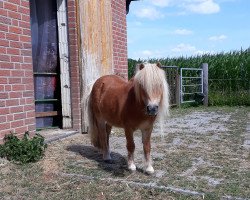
(140, 66)
(158, 64)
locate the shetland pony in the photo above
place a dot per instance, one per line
(130, 105)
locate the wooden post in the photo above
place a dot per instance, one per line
(205, 83)
(96, 47)
(178, 101)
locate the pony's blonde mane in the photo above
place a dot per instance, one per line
(151, 78)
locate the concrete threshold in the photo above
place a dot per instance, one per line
(52, 135)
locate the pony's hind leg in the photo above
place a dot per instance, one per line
(104, 139)
(108, 131)
(131, 149)
(146, 136)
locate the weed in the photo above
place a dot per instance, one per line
(23, 151)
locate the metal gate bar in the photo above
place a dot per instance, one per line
(182, 89)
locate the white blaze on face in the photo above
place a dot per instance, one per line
(155, 97)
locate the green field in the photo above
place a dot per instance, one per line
(229, 74)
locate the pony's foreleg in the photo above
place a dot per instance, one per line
(131, 149)
(146, 137)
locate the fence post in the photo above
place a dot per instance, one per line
(205, 83)
(178, 100)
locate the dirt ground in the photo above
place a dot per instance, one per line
(204, 153)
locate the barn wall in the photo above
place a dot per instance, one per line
(119, 27)
(101, 44)
(96, 38)
(74, 63)
(17, 111)
(96, 51)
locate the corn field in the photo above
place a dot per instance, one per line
(229, 74)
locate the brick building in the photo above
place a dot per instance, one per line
(50, 50)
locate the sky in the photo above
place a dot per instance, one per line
(173, 28)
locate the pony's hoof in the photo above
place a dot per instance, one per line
(106, 157)
(132, 167)
(149, 170)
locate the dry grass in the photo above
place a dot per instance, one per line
(202, 151)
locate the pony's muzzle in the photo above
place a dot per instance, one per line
(152, 109)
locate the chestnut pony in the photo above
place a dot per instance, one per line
(130, 105)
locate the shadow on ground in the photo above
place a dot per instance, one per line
(117, 166)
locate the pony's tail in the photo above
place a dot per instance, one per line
(92, 124)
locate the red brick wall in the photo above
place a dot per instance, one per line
(119, 25)
(17, 112)
(74, 64)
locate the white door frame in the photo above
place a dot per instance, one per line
(64, 63)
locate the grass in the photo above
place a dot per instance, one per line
(213, 163)
(30, 182)
(240, 98)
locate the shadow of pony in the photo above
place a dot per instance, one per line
(117, 166)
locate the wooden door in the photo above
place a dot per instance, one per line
(50, 63)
